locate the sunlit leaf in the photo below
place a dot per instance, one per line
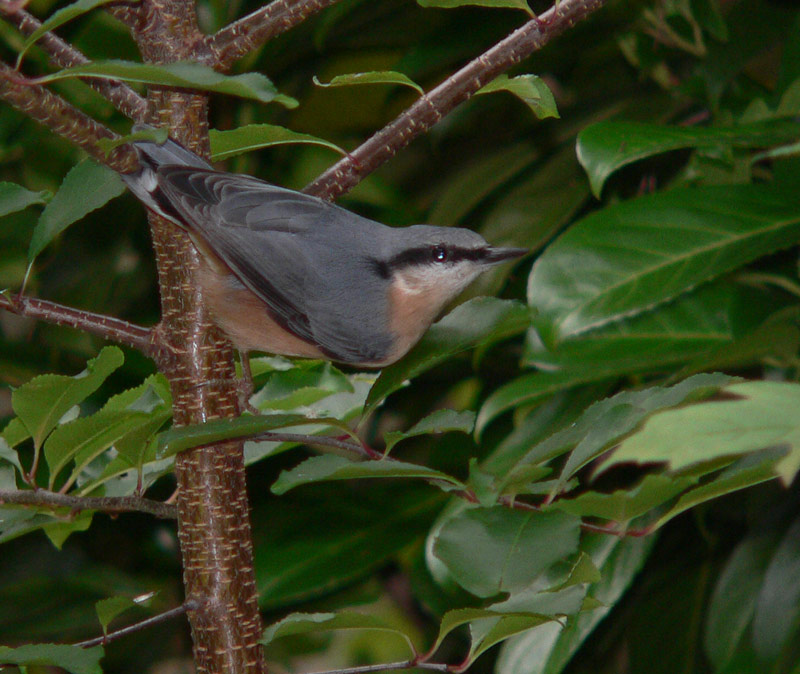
(605, 147)
(227, 144)
(181, 74)
(41, 402)
(447, 4)
(530, 89)
(626, 258)
(374, 77)
(761, 415)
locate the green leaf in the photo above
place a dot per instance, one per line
(763, 414)
(301, 386)
(605, 147)
(41, 402)
(778, 605)
(630, 256)
(186, 437)
(530, 89)
(449, 4)
(300, 555)
(605, 421)
(14, 198)
(312, 623)
(74, 659)
(493, 550)
(181, 74)
(624, 505)
(59, 18)
(109, 608)
(708, 15)
(58, 530)
(227, 144)
(86, 187)
(733, 602)
(746, 472)
(440, 421)
(373, 77)
(83, 439)
(478, 322)
(547, 650)
(331, 467)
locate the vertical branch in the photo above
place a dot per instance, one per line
(213, 518)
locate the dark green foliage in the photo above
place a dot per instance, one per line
(657, 318)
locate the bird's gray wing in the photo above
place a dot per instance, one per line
(257, 230)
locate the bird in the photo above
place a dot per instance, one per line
(291, 274)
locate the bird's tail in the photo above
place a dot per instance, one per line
(144, 183)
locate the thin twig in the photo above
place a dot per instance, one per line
(130, 629)
(65, 55)
(64, 119)
(114, 329)
(243, 36)
(406, 664)
(108, 504)
(433, 106)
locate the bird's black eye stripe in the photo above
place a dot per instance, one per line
(422, 256)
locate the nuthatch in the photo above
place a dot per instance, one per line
(291, 274)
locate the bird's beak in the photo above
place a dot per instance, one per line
(495, 255)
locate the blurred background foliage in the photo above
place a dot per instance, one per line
(669, 252)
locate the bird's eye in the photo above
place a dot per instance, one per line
(439, 254)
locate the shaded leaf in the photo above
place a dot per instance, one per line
(373, 77)
(311, 623)
(778, 605)
(15, 198)
(624, 259)
(605, 147)
(87, 187)
(625, 504)
(186, 437)
(440, 421)
(331, 467)
(227, 144)
(74, 659)
(181, 74)
(109, 608)
(326, 538)
(41, 402)
(493, 550)
(59, 18)
(530, 89)
(301, 386)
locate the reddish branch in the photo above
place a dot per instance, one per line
(130, 629)
(243, 36)
(433, 106)
(63, 119)
(108, 504)
(65, 55)
(107, 327)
